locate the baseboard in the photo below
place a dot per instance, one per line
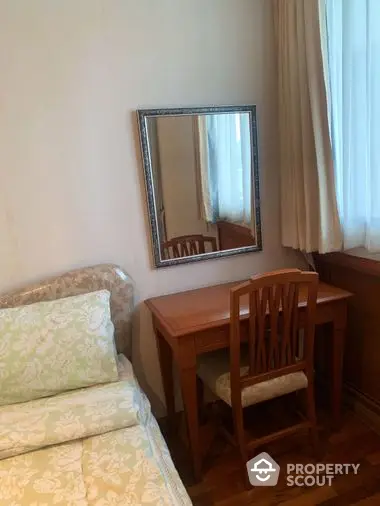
(367, 409)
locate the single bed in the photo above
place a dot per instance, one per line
(95, 446)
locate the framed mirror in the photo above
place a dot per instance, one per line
(202, 182)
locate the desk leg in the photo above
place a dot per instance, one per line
(339, 331)
(165, 355)
(188, 378)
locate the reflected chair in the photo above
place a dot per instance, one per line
(278, 357)
(187, 245)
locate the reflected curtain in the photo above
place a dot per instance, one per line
(225, 167)
(202, 170)
(309, 213)
(353, 66)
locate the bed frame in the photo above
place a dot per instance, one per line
(88, 279)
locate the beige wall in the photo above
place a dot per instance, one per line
(71, 188)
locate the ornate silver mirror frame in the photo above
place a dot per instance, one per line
(143, 117)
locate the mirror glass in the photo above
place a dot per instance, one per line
(202, 182)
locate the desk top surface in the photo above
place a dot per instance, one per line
(182, 313)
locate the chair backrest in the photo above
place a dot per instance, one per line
(279, 303)
(187, 245)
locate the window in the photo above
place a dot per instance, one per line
(353, 70)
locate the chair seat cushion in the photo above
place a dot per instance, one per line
(214, 370)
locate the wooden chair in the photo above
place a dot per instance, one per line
(187, 245)
(275, 361)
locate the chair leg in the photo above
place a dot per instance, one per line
(240, 437)
(244, 459)
(247, 484)
(311, 415)
(200, 396)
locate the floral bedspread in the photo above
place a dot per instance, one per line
(99, 446)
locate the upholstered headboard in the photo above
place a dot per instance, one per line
(88, 279)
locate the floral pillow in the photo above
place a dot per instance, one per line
(50, 347)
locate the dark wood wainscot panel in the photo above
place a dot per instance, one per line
(233, 236)
(360, 276)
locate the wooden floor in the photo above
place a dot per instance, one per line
(354, 443)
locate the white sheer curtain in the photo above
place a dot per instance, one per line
(353, 70)
(225, 172)
(229, 163)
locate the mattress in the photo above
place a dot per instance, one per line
(98, 446)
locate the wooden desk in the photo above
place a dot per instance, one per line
(189, 323)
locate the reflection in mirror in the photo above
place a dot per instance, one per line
(202, 181)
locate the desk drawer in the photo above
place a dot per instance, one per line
(212, 339)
